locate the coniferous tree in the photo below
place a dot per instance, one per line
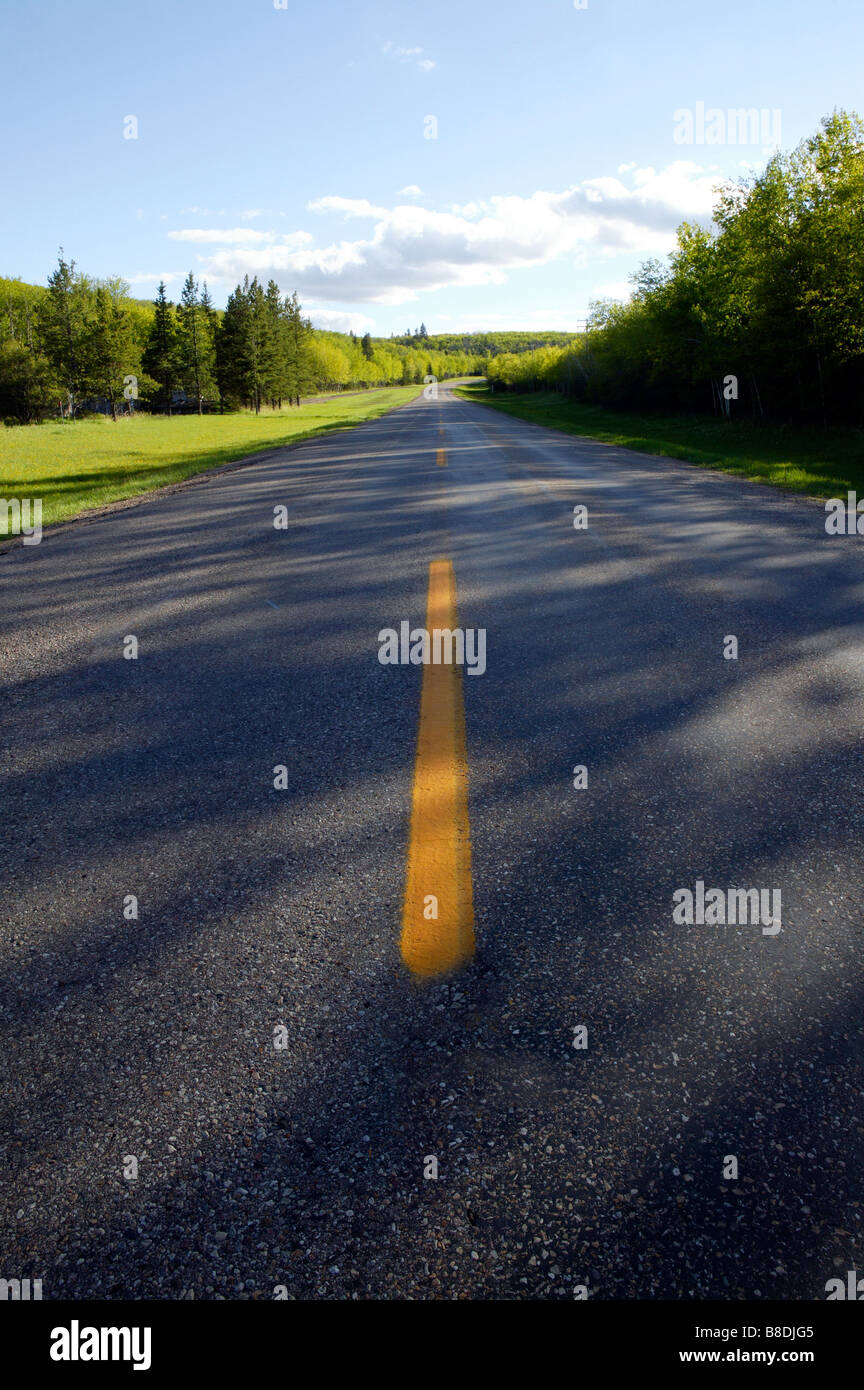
(64, 317)
(209, 327)
(159, 359)
(297, 357)
(195, 346)
(245, 346)
(189, 345)
(259, 342)
(231, 349)
(112, 350)
(276, 346)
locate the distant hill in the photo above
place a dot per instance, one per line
(487, 344)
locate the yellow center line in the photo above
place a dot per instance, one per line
(438, 910)
(442, 458)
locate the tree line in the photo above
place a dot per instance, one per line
(492, 343)
(81, 344)
(760, 315)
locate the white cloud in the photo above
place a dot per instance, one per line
(614, 289)
(413, 249)
(408, 55)
(223, 235)
(241, 236)
(469, 210)
(251, 214)
(350, 207)
(339, 321)
(411, 190)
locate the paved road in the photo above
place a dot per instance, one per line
(558, 1167)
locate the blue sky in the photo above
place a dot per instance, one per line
(293, 142)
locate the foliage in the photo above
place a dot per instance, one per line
(759, 316)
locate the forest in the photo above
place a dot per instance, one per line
(80, 346)
(760, 316)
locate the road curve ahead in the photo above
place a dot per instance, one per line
(206, 855)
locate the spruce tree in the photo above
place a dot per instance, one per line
(111, 346)
(209, 329)
(298, 333)
(189, 323)
(276, 346)
(159, 359)
(64, 316)
(259, 342)
(246, 346)
(232, 349)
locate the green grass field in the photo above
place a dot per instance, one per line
(75, 467)
(824, 463)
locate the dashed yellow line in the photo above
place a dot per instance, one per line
(438, 909)
(442, 458)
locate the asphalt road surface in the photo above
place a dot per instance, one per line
(254, 1040)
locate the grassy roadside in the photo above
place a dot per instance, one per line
(823, 463)
(75, 467)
